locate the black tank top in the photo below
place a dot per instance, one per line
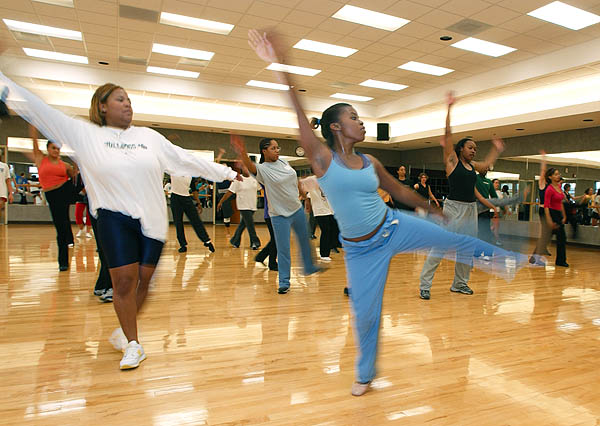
(462, 184)
(542, 194)
(423, 190)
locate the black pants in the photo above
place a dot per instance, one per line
(59, 200)
(329, 239)
(270, 249)
(103, 282)
(247, 222)
(561, 237)
(181, 205)
(313, 224)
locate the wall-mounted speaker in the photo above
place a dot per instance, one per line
(383, 131)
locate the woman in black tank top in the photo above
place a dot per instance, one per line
(424, 190)
(541, 247)
(460, 207)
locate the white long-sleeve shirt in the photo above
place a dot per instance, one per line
(123, 169)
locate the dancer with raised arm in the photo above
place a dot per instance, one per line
(123, 167)
(372, 233)
(541, 247)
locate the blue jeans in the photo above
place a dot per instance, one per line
(367, 264)
(282, 228)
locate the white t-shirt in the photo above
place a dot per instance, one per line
(180, 185)
(318, 202)
(245, 193)
(123, 169)
(4, 174)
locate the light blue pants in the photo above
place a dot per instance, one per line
(367, 264)
(282, 227)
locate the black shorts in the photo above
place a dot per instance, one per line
(122, 240)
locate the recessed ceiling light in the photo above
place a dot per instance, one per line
(425, 68)
(302, 90)
(102, 62)
(171, 71)
(46, 54)
(484, 47)
(325, 48)
(195, 23)
(358, 15)
(383, 85)
(519, 129)
(351, 97)
(445, 38)
(293, 69)
(267, 85)
(588, 119)
(44, 30)
(182, 51)
(565, 15)
(65, 3)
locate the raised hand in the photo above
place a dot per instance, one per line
(498, 143)
(263, 48)
(238, 144)
(450, 98)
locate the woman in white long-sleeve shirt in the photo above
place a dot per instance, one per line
(123, 167)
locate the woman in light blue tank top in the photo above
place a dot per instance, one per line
(371, 232)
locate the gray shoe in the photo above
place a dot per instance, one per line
(425, 295)
(465, 289)
(107, 296)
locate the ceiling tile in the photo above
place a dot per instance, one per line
(266, 10)
(495, 15)
(142, 4)
(97, 6)
(407, 9)
(425, 46)
(465, 7)
(236, 5)
(440, 19)
(416, 29)
(183, 8)
(97, 17)
(523, 6)
(369, 33)
(522, 24)
(496, 34)
(321, 7)
(306, 18)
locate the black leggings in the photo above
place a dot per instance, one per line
(270, 249)
(181, 205)
(103, 282)
(59, 200)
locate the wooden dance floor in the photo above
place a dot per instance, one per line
(225, 349)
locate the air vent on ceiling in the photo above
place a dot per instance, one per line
(138, 14)
(194, 62)
(339, 85)
(468, 27)
(35, 38)
(132, 60)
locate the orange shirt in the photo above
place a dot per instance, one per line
(52, 174)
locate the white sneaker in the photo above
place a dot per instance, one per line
(80, 233)
(118, 339)
(71, 245)
(88, 235)
(134, 355)
(326, 259)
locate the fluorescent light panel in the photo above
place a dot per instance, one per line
(383, 85)
(293, 69)
(484, 47)
(44, 30)
(46, 54)
(565, 15)
(425, 68)
(267, 85)
(367, 17)
(174, 72)
(65, 3)
(195, 23)
(325, 48)
(182, 51)
(351, 97)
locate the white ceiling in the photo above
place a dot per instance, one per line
(547, 54)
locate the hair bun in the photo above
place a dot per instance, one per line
(315, 122)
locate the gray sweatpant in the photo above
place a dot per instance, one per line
(463, 220)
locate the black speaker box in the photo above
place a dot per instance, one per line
(383, 131)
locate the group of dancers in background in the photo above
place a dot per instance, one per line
(123, 165)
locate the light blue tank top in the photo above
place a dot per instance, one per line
(353, 197)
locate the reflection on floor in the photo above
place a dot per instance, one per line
(224, 348)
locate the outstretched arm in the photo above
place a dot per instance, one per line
(543, 168)
(431, 197)
(37, 155)
(450, 158)
(226, 197)
(490, 159)
(239, 146)
(318, 154)
(486, 202)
